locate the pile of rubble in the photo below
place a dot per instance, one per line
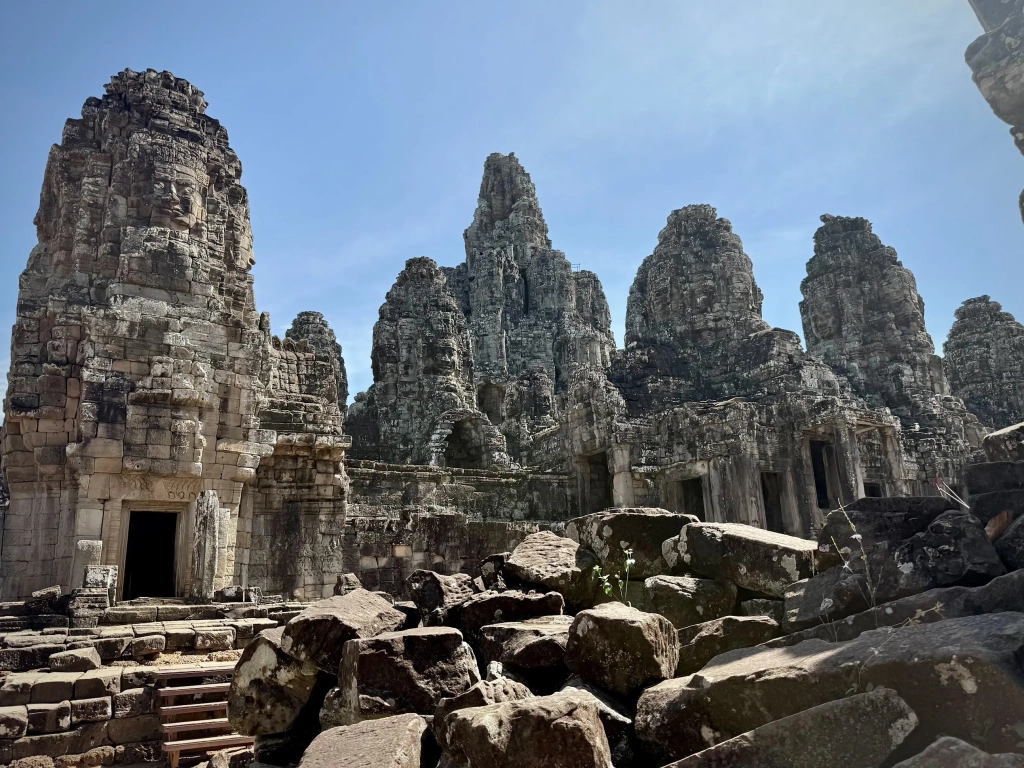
(643, 637)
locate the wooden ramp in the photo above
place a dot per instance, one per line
(193, 714)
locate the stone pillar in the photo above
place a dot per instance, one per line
(622, 476)
(87, 552)
(205, 545)
(851, 479)
(894, 459)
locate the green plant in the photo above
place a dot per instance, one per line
(612, 583)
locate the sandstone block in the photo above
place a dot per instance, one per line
(436, 594)
(547, 560)
(401, 741)
(700, 643)
(479, 695)
(319, 633)
(13, 722)
(125, 730)
(499, 607)
(80, 660)
(947, 752)
(150, 645)
(685, 600)
(214, 639)
(91, 710)
(49, 718)
(133, 702)
(610, 533)
(751, 558)
(407, 671)
(53, 687)
(1005, 444)
(269, 689)
(621, 649)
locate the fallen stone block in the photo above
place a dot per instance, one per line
(956, 675)
(685, 600)
(700, 643)
(948, 752)
(214, 639)
(79, 660)
(1010, 546)
(500, 642)
(759, 606)
(479, 695)
(499, 607)
(491, 568)
(401, 741)
(760, 561)
(270, 690)
(641, 530)
(319, 633)
(150, 645)
(565, 728)
(545, 559)
(856, 732)
(436, 594)
(994, 476)
(621, 649)
(1005, 444)
(401, 672)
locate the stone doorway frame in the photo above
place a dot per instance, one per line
(182, 541)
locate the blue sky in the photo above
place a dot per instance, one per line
(363, 127)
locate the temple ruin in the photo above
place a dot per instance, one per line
(153, 424)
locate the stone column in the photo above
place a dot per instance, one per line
(205, 545)
(851, 479)
(622, 476)
(87, 552)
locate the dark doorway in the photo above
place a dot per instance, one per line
(599, 482)
(772, 494)
(872, 490)
(149, 559)
(820, 473)
(465, 446)
(691, 496)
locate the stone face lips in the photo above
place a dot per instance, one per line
(984, 359)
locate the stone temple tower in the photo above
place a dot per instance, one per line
(139, 364)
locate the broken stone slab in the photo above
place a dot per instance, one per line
(491, 568)
(270, 690)
(497, 607)
(1005, 593)
(856, 732)
(1005, 444)
(621, 649)
(79, 660)
(436, 594)
(400, 741)
(953, 550)
(401, 672)
(948, 752)
(479, 695)
(642, 530)
(347, 582)
(700, 643)
(499, 642)
(563, 729)
(877, 521)
(752, 558)
(956, 675)
(993, 476)
(545, 559)
(319, 633)
(686, 600)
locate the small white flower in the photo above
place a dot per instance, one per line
(857, 537)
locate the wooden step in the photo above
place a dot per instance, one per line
(214, 669)
(189, 709)
(214, 723)
(191, 690)
(208, 743)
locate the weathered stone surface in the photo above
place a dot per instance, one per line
(501, 607)
(13, 722)
(408, 671)
(480, 695)
(133, 702)
(436, 595)
(863, 316)
(545, 559)
(700, 643)
(610, 533)
(150, 645)
(99, 682)
(1010, 546)
(81, 660)
(319, 633)
(984, 360)
(954, 674)
(856, 732)
(270, 689)
(214, 639)
(390, 742)
(565, 728)
(947, 752)
(91, 710)
(986, 506)
(49, 718)
(1005, 444)
(773, 609)
(685, 600)
(752, 558)
(622, 649)
(505, 641)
